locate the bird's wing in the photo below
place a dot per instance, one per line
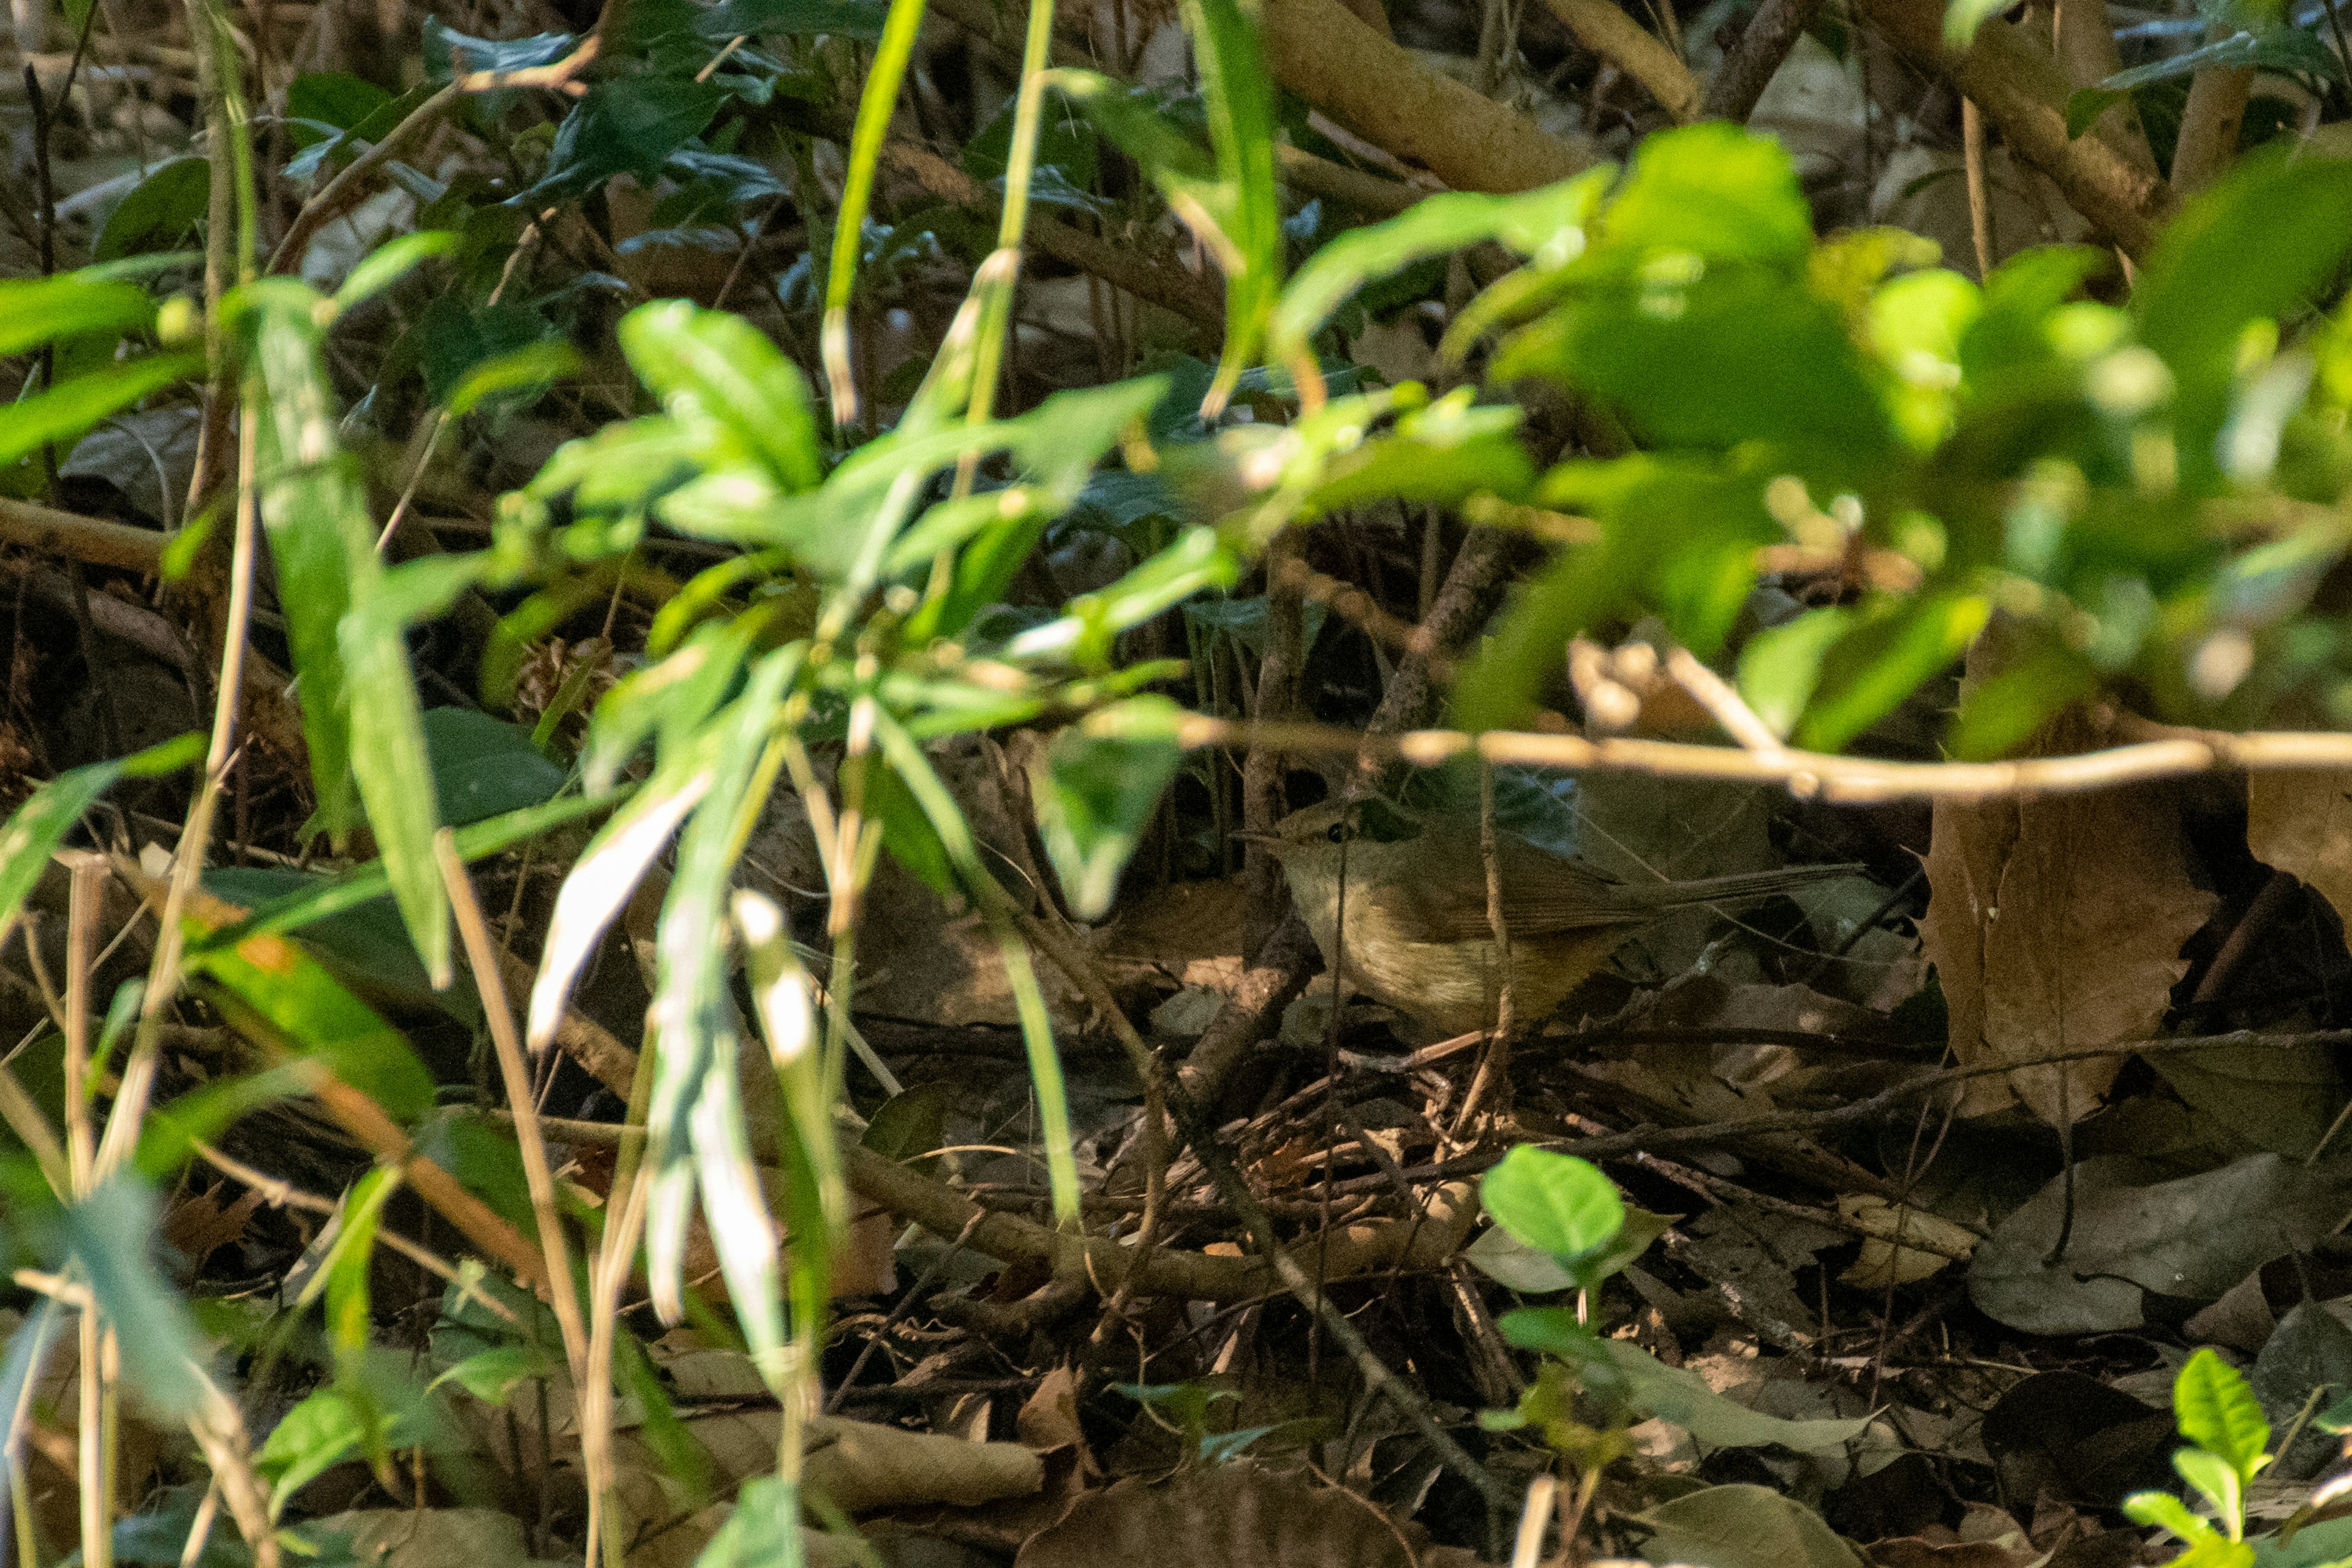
(1543, 894)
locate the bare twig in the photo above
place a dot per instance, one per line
(2015, 81)
(482, 955)
(1810, 776)
(1739, 82)
(1607, 31)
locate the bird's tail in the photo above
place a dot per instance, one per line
(1738, 888)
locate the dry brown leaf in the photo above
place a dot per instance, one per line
(2055, 924)
(2302, 825)
(430, 1538)
(1883, 1260)
(1240, 1515)
(1049, 1421)
(199, 1226)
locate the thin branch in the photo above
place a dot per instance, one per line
(1808, 775)
(1607, 31)
(1739, 82)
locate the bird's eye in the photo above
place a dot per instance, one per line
(1337, 833)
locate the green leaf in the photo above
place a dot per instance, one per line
(2278, 49)
(2219, 1413)
(695, 1115)
(37, 311)
(1554, 1203)
(110, 1236)
(858, 19)
(350, 649)
(2084, 105)
(517, 375)
(1547, 224)
(2217, 1481)
(1684, 1398)
(1781, 665)
(1714, 190)
(1237, 93)
(159, 213)
(58, 417)
(2167, 1513)
(277, 993)
(1105, 777)
(1711, 359)
(625, 125)
(1867, 673)
(484, 767)
(37, 828)
(447, 53)
(390, 262)
(723, 368)
(2259, 245)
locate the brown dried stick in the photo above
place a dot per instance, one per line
(2022, 88)
(1813, 775)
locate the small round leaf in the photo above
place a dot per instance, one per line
(1553, 1203)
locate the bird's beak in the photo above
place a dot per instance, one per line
(1271, 840)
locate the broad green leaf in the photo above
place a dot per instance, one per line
(523, 371)
(33, 831)
(1547, 224)
(1705, 359)
(111, 1235)
(1715, 191)
(63, 412)
(696, 1115)
(37, 311)
(1867, 673)
(351, 654)
(1684, 1399)
(2168, 1512)
(159, 213)
(730, 371)
(625, 125)
(2259, 245)
(815, 1196)
(274, 992)
(1105, 777)
(1780, 666)
(484, 767)
(2217, 1481)
(1554, 1203)
(390, 262)
(1237, 93)
(2219, 1413)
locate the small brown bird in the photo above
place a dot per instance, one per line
(1417, 933)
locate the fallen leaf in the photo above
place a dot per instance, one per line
(1743, 1527)
(2128, 1232)
(2302, 824)
(1684, 1398)
(1883, 1260)
(1239, 1515)
(201, 1224)
(428, 1538)
(2056, 923)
